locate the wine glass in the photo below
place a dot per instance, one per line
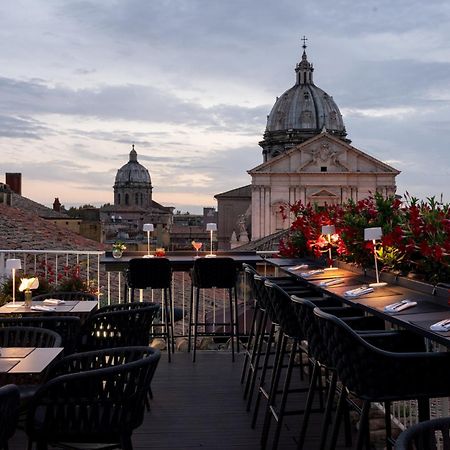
(197, 246)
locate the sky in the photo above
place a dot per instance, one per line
(190, 83)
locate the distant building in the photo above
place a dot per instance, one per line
(134, 206)
(306, 156)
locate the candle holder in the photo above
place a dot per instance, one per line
(374, 234)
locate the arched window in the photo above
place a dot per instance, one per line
(118, 199)
(127, 199)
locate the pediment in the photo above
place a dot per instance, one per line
(324, 154)
(323, 193)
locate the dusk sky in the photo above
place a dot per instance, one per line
(190, 83)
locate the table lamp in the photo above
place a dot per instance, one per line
(148, 227)
(328, 230)
(211, 227)
(374, 234)
(12, 265)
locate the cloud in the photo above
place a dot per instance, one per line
(21, 127)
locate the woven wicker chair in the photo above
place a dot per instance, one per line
(374, 374)
(29, 337)
(100, 398)
(68, 327)
(9, 413)
(426, 435)
(125, 327)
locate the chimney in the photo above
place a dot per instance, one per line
(56, 205)
(14, 181)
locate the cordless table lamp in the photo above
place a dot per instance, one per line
(148, 227)
(211, 227)
(328, 230)
(374, 234)
(12, 265)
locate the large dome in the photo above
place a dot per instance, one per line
(301, 113)
(132, 172)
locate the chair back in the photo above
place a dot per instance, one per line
(100, 405)
(426, 435)
(154, 273)
(214, 273)
(285, 310)
(20, 336)
(9, 413)
(127, 327)
(68, 327)
(66, 295)
(124, 307)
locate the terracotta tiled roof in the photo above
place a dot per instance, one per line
(21, 229)
(25, 204)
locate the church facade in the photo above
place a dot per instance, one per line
(308, 157)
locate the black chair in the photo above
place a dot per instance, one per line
(426, 435)
(101, 400)
(375, 374)
(213, 273)
(29, 337)
(66, 295)
(9, 413)
(127, 326)
(155, 273)
(68, 327)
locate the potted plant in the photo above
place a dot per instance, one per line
(118, 248)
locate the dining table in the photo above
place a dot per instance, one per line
(79, 308)
(418, 310)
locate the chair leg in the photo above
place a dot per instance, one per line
(191, 316)
(262, 378)
(363, 425)
(284, 395)
(337, 419)
(308, 406)
(167, 321)
(236, 311)
(251, 337)
(388, 425)
(232, 322)
(126, 443)
(196, 308)
(328, 409)
(172, 321)
(254, 365)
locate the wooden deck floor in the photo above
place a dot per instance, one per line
(200, 406)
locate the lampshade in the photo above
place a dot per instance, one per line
(148, 227)
(212, 226)
(372, 234)
(13, 264)
(328, 229)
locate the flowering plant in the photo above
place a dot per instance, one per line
(27, 284)
(118, 245)
(415, 233)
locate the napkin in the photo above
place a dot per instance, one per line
(312, 273)
(443, 325)
(358, 292)
(331, 282)
(299, 267)
(42, 308)
(53, 301)
(400, 306)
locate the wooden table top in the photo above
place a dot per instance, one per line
(22, 360)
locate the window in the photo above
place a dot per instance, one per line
(127, 199)
(118, 199)
(324, 169)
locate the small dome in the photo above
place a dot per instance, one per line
(132, 171)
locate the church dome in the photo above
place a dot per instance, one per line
(302, 112)
(132, 172)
